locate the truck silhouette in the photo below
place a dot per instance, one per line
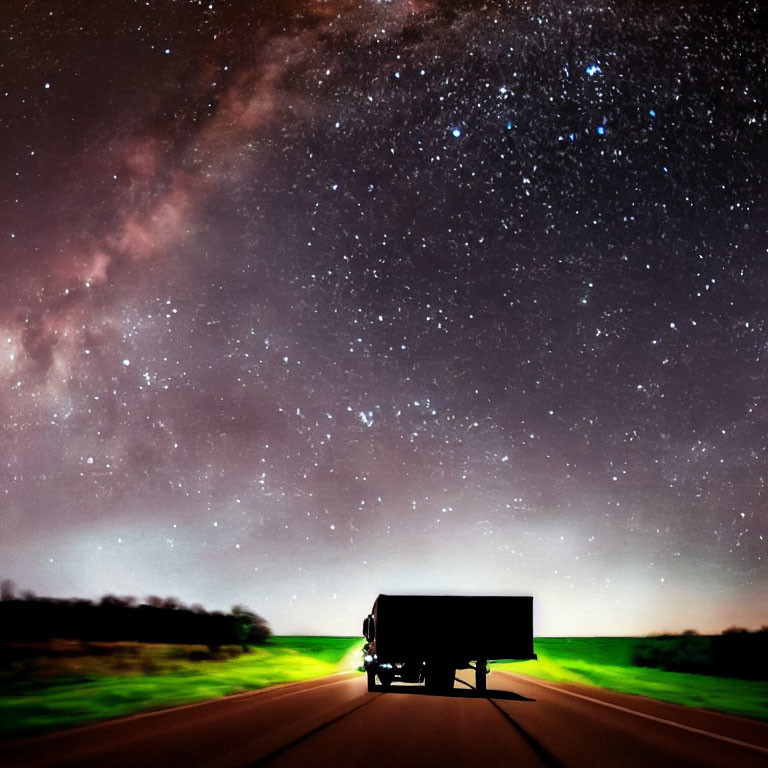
(425, 639)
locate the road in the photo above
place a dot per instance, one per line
(336, 722)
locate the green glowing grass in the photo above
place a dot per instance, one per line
(607, 662)
(72, 691)
(31, 706)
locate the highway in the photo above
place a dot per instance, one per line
(336, 722)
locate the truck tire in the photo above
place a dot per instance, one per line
(371, 675)
(481, 672)
(386, 676)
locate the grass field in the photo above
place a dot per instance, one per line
(607, 662)
(72, 688)
(65, 684)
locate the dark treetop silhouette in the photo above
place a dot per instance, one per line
(158, 620)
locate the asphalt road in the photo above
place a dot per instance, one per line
(336, 722)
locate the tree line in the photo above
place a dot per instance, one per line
(26, 617)
(736, 652)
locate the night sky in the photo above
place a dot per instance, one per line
(311, 300)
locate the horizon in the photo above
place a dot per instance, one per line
(704, 630)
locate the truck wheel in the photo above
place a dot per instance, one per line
(386, 676)
(371, 675)
(480, 677)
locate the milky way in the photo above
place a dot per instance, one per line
(315, 300)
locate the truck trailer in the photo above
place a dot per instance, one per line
(426, 638)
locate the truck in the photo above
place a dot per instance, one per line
(426, 638)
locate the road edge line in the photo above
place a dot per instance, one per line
(52, 735)
(691, 729)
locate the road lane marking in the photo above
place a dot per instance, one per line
(276, 690)
(662, 720)
(538, 748)
(294, 693)
(300, 739)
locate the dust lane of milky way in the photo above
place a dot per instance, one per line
(314, 300)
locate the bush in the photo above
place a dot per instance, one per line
(736, 653)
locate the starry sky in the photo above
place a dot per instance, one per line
(307, 300)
